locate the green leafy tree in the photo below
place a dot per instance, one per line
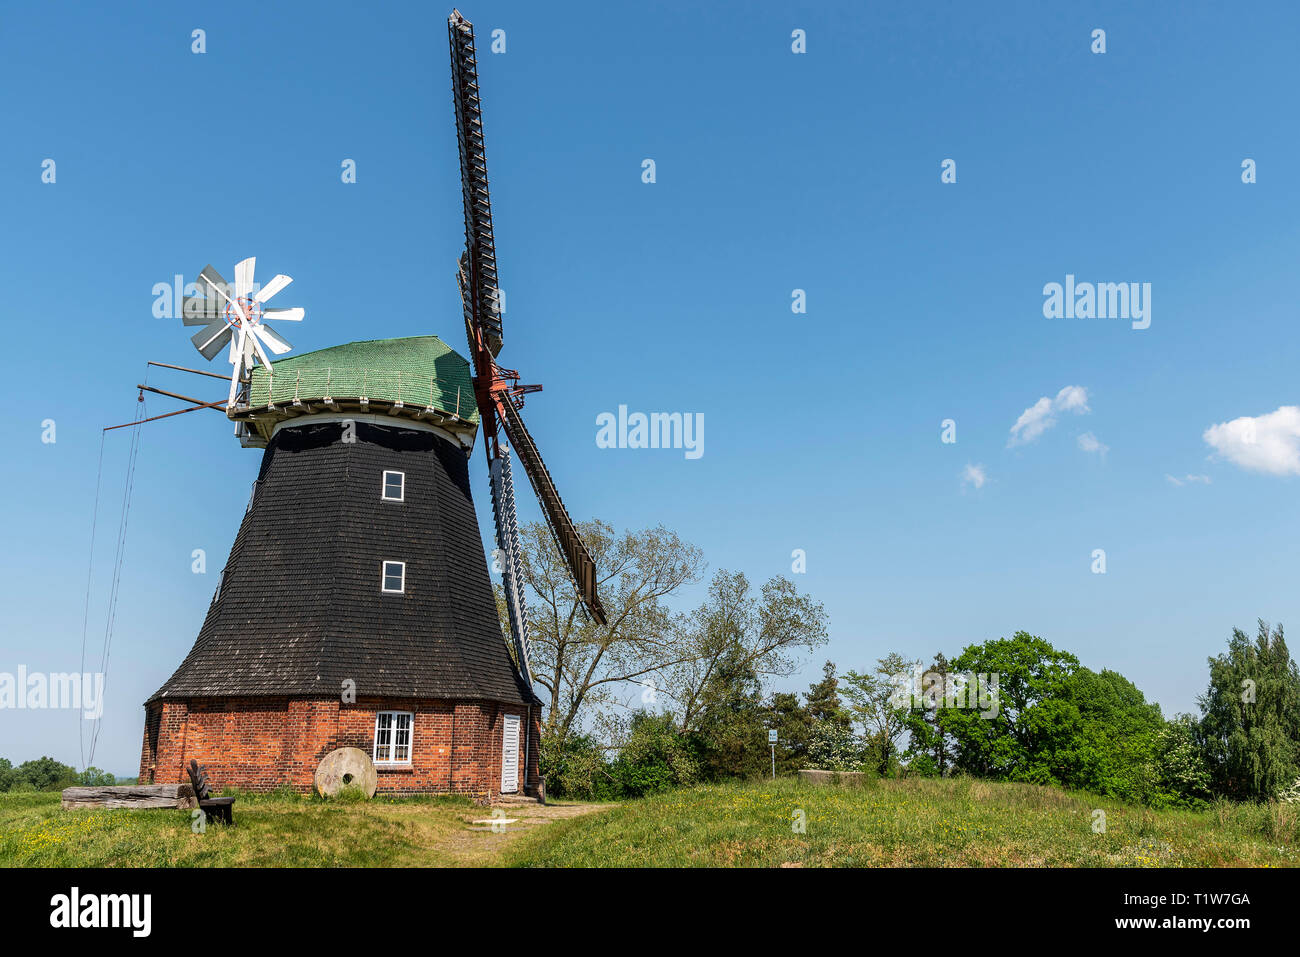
(823, 699)
(731, 721)
(574, 767)
(736, 633)
(582, 665)
(930, 743)
(1250, 722)
(1179, 772)
(874, 701)
(655, 756)
(793, 725)
(95, 777)
(1002, 741)
(1099, 734)
(45, 774)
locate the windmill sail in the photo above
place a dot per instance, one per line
(480, 297)
(473, 180)
(566, 534)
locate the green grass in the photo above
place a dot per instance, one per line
(274, 830)
(913, 822)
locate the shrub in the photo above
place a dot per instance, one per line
(656, 757)
(574, 767)
(833, 747)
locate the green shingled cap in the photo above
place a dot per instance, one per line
(419, 371)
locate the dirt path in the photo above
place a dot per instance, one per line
(487, 831)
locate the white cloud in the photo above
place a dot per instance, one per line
(974, 475)
(1265, 443)
(1073, 398)
(1090, 443)
(1188, 480)
(1041, 416)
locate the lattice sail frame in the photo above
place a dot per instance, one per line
(497, 390)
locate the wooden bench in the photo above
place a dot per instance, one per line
(216, 808)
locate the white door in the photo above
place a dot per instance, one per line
(510, 755)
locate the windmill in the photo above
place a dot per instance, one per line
(237, 316)
(497, 389)
(358, 564)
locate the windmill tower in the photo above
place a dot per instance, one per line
(356, 609)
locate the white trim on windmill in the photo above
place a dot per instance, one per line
(394, 573)
(396, 485)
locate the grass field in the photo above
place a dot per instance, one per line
(277, 830)
(914, 822)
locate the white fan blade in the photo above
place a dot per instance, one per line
(285, 315)
(244, 277)
(272, 339)
(272, 287)
(237, 349)
(236, 360)
(261, 353)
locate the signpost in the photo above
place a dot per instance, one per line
(771, 739)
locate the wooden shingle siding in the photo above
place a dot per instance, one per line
(301, 610)
(301, 619)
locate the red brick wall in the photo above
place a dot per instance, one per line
(259, 744)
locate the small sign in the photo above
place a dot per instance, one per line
(771, 736)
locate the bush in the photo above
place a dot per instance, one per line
(656, 757)
(574, 767)
(833, 747)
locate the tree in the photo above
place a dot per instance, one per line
(930, 743)
(1098, 733)
(578, 662)
(1179, 772)
(45, 774)
(655, 756)
(730, 720)
(999, 741)
(823, 698)
(1250, 722)
(874, 701)
(834, 747)
(793, 724)
(735, 633)
(574, 767)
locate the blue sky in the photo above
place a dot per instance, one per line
(775, 171)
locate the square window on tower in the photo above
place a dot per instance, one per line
(394, 577)
(394, 486)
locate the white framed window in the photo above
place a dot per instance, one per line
(393, 737)
(393, 577)
(394, 487)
